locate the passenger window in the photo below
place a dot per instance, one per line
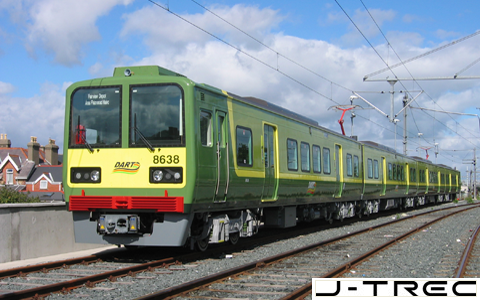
(292, 155)
(244, 147)
(305, 156)
(389, 171)
(206, 128)
(317, 159)
(326, 160)
(375, 169)
(370, 168)
(356, 166)
(349, 165)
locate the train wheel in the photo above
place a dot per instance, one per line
(234, 237)
(202, 245)
(360, 213)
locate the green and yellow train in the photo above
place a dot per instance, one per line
(155, 159)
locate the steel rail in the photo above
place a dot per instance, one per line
(466, 255)
(65, 286)
(208, 280)
(22, 271)
(305, 290)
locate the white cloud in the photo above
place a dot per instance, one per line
(6, 88)
(443, 34)
(410, 18)
(41, 116)
(63, 27)
(363, 23)
(204, 59)
(95, 69)
(162, 30)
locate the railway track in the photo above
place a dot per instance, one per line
(63, 276)
(288, 275)
(470, 263)
(448, 266)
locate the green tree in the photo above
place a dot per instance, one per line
(9, 195)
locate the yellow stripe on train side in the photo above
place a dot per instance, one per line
(127, 168)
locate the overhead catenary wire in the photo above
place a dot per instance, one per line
(389, 67)
(271, 49)
(245, 53)
(259, 60)
(276, 52)
(423, 54)
(414, 141)
(429, 52)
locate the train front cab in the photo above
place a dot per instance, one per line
(126, 172)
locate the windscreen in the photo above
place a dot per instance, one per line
(95, 117)
(156, 116)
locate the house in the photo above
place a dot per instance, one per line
(36, 169)
(46, 182)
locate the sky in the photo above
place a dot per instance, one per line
(306, 56)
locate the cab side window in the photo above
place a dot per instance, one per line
(326, 160)
(244, 147)
(317, 159)
(292, 154)
(206, 128)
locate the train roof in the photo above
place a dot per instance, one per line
(379, 146)
(279, 110)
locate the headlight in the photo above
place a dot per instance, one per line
(166, 175)
(95, 175)
(157, 175)
(86, 175)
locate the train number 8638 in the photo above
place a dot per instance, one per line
(162, 159)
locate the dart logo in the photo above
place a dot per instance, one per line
(126, 167)
(312, 185)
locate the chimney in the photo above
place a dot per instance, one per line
(33, 149)
(51, 152)
(4, 142)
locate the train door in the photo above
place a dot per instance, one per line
(222, 156)
(339, 170)
(439, 182)
(269, 150)
(449, 183)
(427, 180)
(407, 175)
(212, 148)
(384, 177)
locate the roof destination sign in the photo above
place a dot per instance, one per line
(97, 99)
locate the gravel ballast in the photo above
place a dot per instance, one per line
(423, 255)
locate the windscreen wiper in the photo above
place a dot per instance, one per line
(142, 137)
